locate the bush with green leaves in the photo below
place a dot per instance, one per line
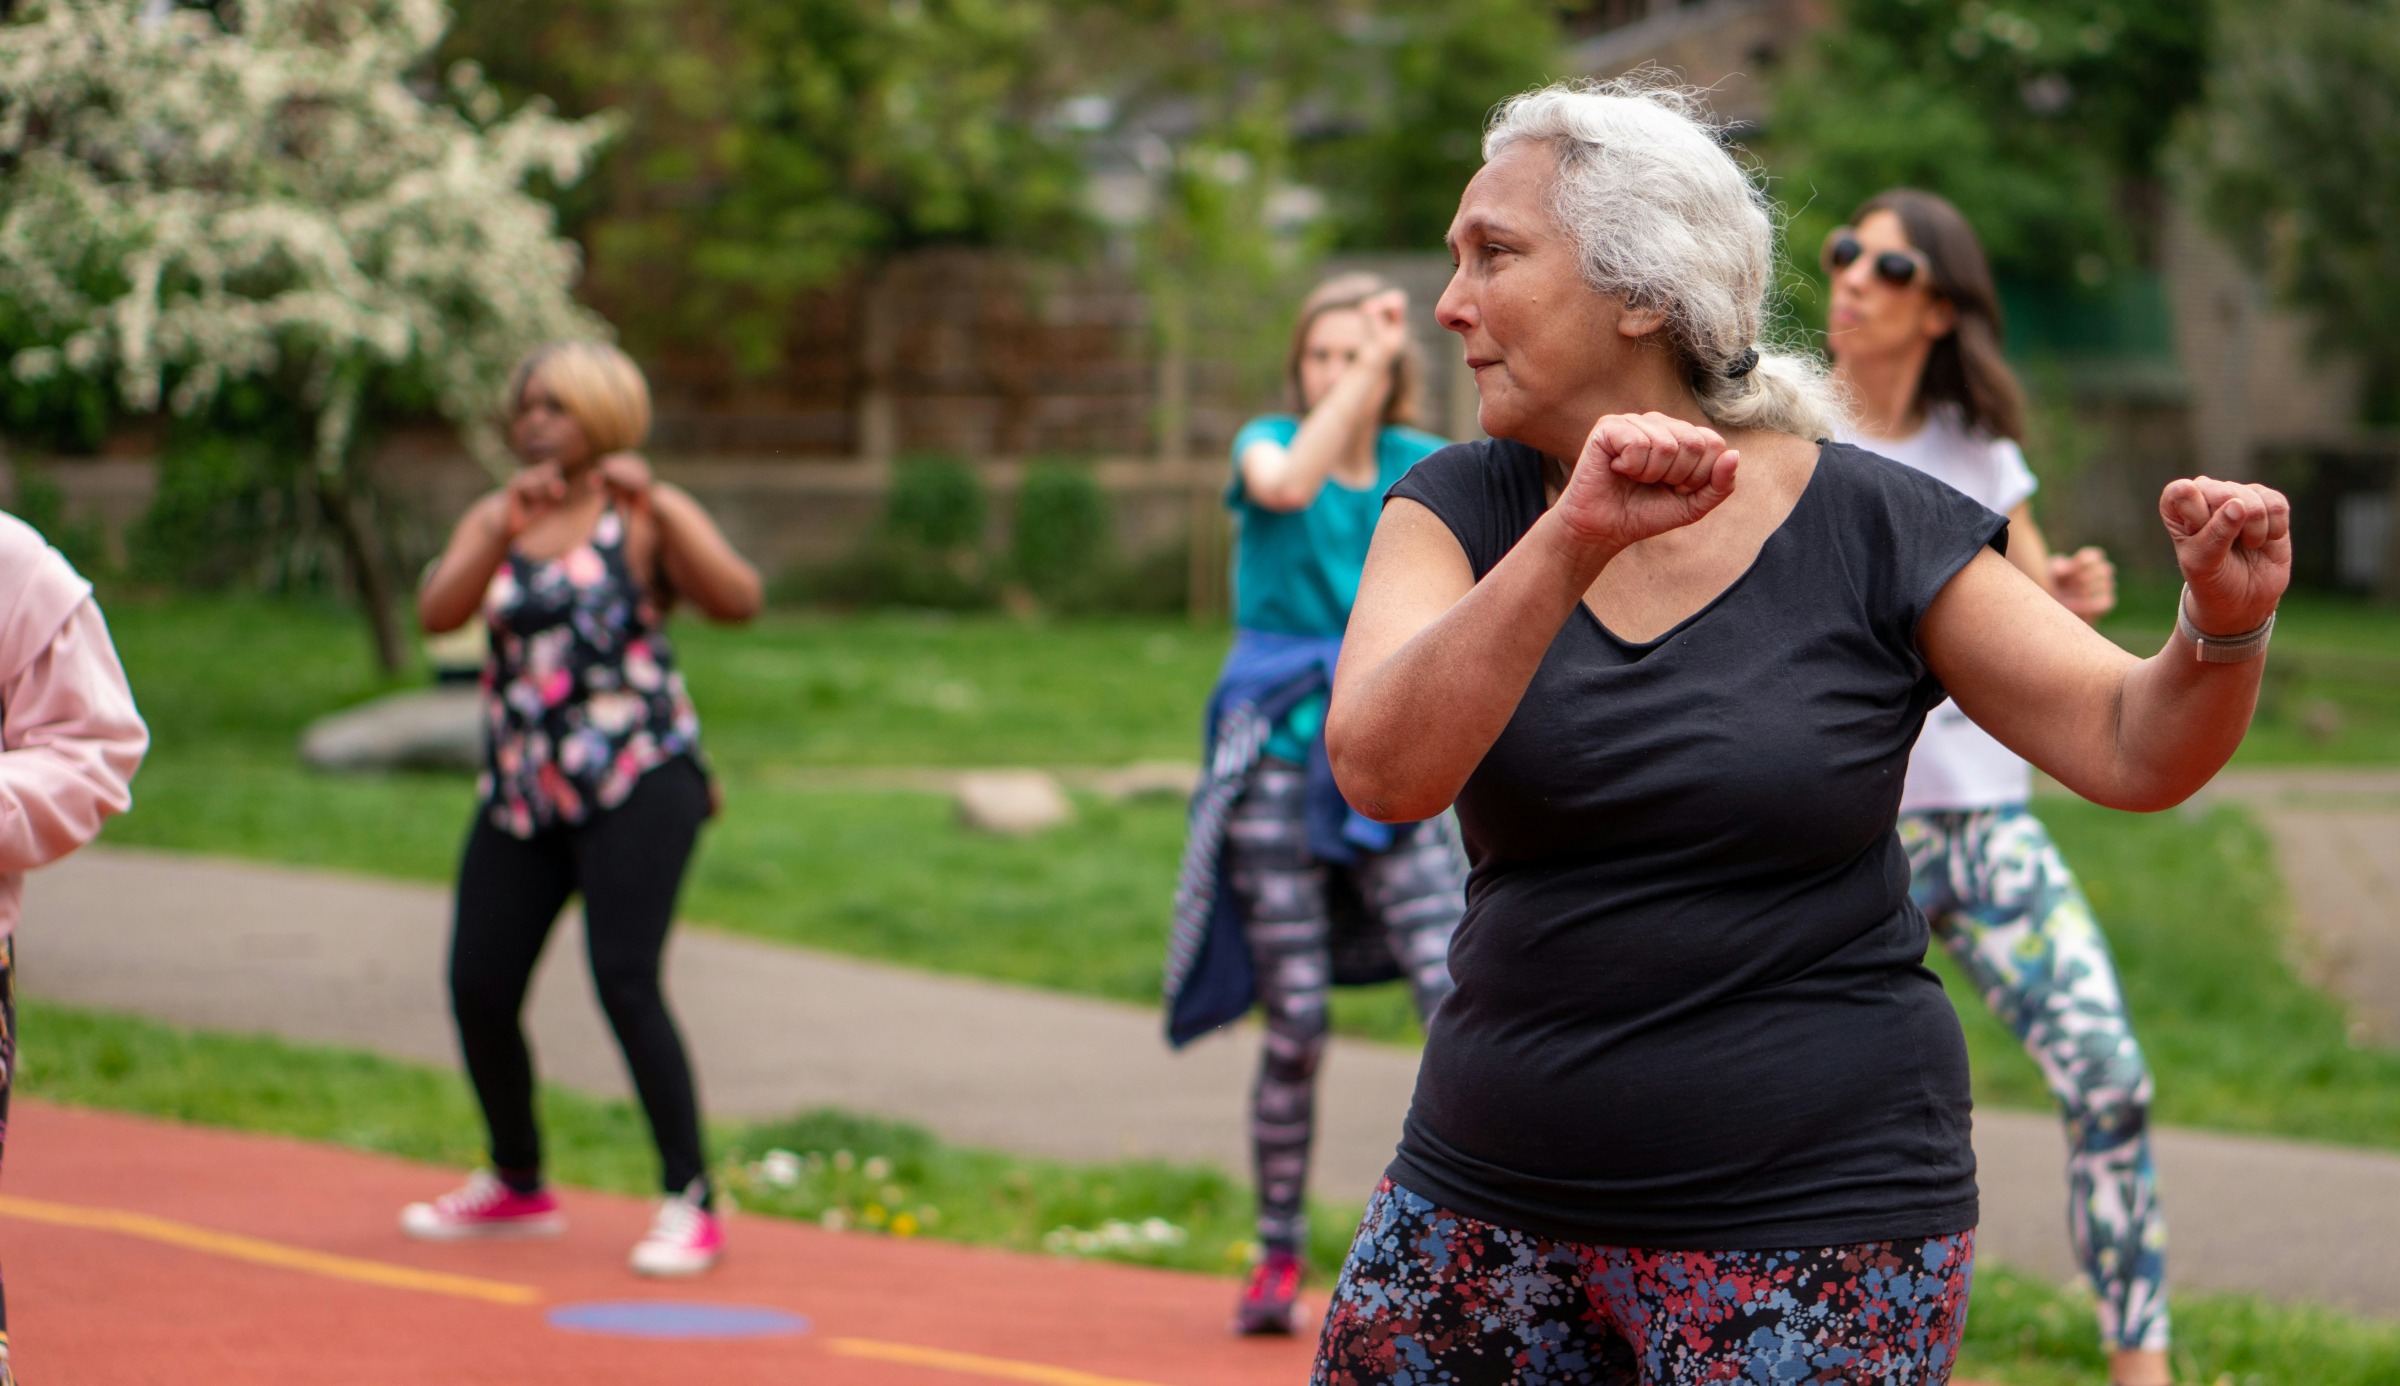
(42, 503)
(1059, 543)
(2036, 117)
(937, 501)
(927, 550)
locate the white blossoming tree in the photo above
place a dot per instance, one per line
(194, 198)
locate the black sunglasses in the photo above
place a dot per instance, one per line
(1898, 268)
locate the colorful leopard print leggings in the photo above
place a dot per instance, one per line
(1435, 1298)
(2002, 901)
(1416, 891)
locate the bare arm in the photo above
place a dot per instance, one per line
(2027, 549)
(699, 562)
(1277, 477)
(2085, 582)
(454, 590)
(693, 554)
(1434, 663)
(2140, 734)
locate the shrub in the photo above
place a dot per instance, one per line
(926, 552)
(936, 501)
(1060, 542)
(226, 513)
(42, 504)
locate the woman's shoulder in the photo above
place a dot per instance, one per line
(1483, 468)
(1894, 519)
(1278, 429)
(1858, 475)
(1489, 492)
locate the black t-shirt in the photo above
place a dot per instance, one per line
(1692, 1007)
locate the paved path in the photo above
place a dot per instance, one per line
(2337, 833)
(336, 959)
(141, 1252)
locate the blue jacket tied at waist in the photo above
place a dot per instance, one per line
(1209, 981)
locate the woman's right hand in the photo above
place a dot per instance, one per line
(1641, 475)
(1387, 324)
(532, 493)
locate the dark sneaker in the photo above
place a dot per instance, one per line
(1267, 1305)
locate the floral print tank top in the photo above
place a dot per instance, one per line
(581, 696)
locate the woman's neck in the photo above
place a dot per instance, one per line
(581, 482)
(1563, 432)
(1883, 392)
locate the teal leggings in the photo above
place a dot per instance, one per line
(2002, 901)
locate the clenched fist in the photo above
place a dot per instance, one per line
(1644, 474)
(2084, 582)
(2233, 540)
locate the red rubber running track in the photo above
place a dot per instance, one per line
(142, 1252)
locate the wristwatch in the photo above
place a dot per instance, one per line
(2221, 649)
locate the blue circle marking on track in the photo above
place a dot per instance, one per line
(660, 1318)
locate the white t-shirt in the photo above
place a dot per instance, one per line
(1957, 765)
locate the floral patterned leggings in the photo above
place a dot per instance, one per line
(2002, 901)
(1416, 891)
(1434, 1298)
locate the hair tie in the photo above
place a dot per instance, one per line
(1743, 364)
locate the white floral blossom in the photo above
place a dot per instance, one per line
(190, 205)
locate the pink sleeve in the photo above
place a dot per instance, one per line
(70, 741)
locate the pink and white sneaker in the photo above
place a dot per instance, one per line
(685, 1238)
(484, 1208)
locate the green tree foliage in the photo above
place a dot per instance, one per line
(194, 204)
(777, 147)
(773, 146)
(2036, 117)
(1425, 75)
(2298, 163)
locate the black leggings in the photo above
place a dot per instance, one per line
(628, 864)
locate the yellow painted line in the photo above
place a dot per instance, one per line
(971, 1364)
(265, 1253)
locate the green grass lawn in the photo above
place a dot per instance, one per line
(2191, 902)
(2332, 689)
(882, 1178)
(2236, 1040)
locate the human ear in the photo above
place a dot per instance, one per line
(1941, 319)
(1640, 322)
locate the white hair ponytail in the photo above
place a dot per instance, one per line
(1663, 217)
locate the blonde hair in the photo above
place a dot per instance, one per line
(1342, 293)
(596, 384)
(1664, 217)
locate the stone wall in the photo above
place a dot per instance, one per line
(781, 512)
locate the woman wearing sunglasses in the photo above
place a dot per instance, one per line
(1914, 331)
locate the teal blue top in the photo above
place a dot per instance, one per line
(1295, 572)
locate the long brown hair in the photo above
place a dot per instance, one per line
(1341, 293)
(1966, 368)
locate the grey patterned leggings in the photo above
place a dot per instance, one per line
(1416, 892)
(2001, 899)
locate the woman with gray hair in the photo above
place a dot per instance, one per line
(1696, 1110)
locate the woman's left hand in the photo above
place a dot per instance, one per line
(2233, 540)
(2084, 582)
(628, 477)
